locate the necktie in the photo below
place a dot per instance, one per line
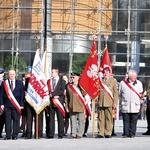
(11, 86)
(54, 84)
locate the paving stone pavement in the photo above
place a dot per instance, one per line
(140, 142)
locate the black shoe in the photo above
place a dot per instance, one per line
(7, 138)
(23, 135)
(108, 136)
(99, 136)
(146, 133)
(27, 138)
(14, 138)
(85, 135)
(125, 136)
(114, 134)
(50, 137)
(60, 137)
(1, 136)
(132, 136)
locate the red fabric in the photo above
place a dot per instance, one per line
(105, 60)
(89, 78)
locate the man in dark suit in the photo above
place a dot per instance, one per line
(11, 101)
(56, 89)
(2, 114)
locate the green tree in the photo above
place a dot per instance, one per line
(79, 61)
(7, 64)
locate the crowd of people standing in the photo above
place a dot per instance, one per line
(17, 115)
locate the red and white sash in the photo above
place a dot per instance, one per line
(50, 87)
(11, 96)
(88, 104)
(56, 101)
(106, 89)
(133, 88)
(77, 92)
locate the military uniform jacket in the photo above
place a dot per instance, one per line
(148, 92)
(72, 101)
(104, 99)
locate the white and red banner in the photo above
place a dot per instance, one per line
(46, 64)
(37, 92)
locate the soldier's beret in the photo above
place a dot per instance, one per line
(2, 71)
(106, 69)
(75, 74)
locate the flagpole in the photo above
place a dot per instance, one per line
(93, 117)
(106, 39)
(37, 126)
(93, 105)
(36, 130)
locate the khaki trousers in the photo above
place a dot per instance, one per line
(105, 121)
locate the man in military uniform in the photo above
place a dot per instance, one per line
(75, 107)
(107, 101)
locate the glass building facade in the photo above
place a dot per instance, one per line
(65, 28)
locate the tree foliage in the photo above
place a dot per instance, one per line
(7, 64)
(79, 61)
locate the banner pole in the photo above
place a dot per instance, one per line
(93, 117)
(36, 131)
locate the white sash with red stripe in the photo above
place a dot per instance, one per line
(133, 88)
(59, 106)
(77, 92)
(56, 101)
(11, 96)
(88, 104)
(106, 89)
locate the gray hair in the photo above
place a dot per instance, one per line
(131, 72)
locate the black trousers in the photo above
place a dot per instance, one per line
(86, 124)
(2, 122)
(60, 120)
(47, 120)
(130, 123)
(31, 115)
(148, 119)
(12, 121)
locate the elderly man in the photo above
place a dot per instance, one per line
(12, 101)
(75, 107)
(130, 91)
(107, 101)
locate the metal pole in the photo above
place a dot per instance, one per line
(128, 35)
(71, 36)
(45, 25)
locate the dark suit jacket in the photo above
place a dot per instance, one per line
(59, 90)
(18, 93)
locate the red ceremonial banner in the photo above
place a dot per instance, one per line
(89, 81)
